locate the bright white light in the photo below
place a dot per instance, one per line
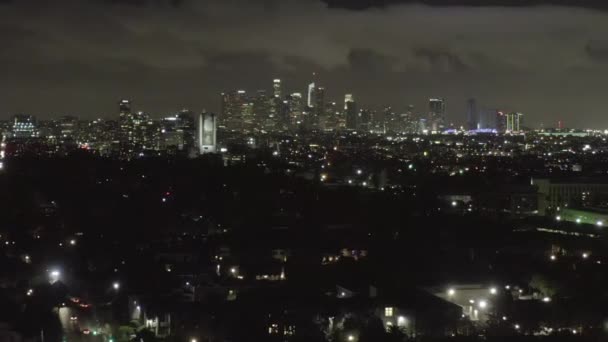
(401, 320)
(516, 326)
(483, 304)
(342, 294)
(55, 273)
(504, 318)
(451, 292)
(454, 203)
(364, 183)
(30, 292)
(578, 220)
(233, 270)
(359, 172)
(472, 301)
(507, 287)
(193, 340)
(493, 290)
(116, 285)
(599, 223)
(559, 218)
(138, 308)
(546, 299)
(553, 257)
(72, 242)
(351, 338)
(585, 255)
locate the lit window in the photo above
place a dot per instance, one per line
(388, 312)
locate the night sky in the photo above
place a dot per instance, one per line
(80, 57)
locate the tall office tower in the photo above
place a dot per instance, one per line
(348, 98)
(350, 111)
(276, 87)
(436, 114)
(472, 115)
(186, 123)
(24, 126)
(124, 107)
(232, 115)
(207, 133)
(295, 105)
(261, 110)
(311, 93)
(125, 120)
(331, 116)
(319, 101)
(364, 118)
(515, 122)
(501, 122)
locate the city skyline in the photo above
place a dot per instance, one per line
(547, 64)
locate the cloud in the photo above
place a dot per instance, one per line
(168, 55)
(367, 4)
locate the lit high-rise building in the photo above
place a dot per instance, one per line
(311, 94)
(234, 110)
(295, 105)
(436, 114)
(276, 87)
(207, 133)
(350, 110)
(348, 98)
(514, 122)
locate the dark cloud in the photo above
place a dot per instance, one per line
(79, 56)
(366, 4)
(370, 61)
(441, 60)
(597, 50)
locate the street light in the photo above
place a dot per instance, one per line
(483, 304)
(350, 338)
(451, 292)
(116, 285)
(493, 291)
(193, 340)
(546, 299)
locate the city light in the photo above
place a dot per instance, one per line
(116, 285)
(73, 242)
(553, 257)
(585, 255)
(546, 299)
(350, 338)
(599, 223)
(516, 326)
(483, 304)
(558, 218)
(451, 292)
(493, 291)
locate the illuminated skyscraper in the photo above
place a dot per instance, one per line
(348, 98)
(235, 110)
(207, 133)
(311, 94)
(436, 114)
(514, 122)
(276, 87)
(295, 105)
(350, 110)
